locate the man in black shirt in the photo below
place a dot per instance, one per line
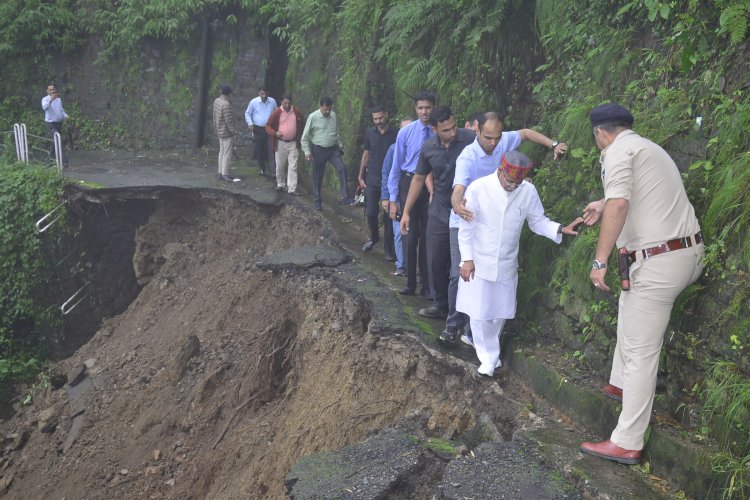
(378, 139)
(438, 156)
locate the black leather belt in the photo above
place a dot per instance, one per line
(284, 140)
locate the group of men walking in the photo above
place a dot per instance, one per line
(453, 203)
(279, 132)
(458, 199)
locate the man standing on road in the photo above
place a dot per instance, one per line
(438, 157)
(285, 126)
(225, 131)
(378, 139)
(321, 144)
(501, 202)
(481, 158)
(256, 116)
(405, 156)
(646, 211)
(54, 116)
(398, 241)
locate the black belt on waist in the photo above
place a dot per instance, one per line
(285, 140)
(668, 246)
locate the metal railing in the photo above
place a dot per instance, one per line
(21, 137)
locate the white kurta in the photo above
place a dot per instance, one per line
(491, 240)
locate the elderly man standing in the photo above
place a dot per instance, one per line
(321, 144)
(646, 211)
(256, 116)
(477, 160)
(489, 242)
(225, 131)
(285, 126)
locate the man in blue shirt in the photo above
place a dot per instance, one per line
(438, 157)
(256, 116)
(398, 244)
(408, 145)
(479, 159)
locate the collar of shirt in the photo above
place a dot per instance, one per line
(622, 134)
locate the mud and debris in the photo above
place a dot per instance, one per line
(253, 340)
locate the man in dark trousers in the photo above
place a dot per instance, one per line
(256, 116)
(378, 139)
(405, 155)
(438, 157)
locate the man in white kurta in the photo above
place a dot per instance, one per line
(500, 202)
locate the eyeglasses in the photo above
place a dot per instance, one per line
(509, 183)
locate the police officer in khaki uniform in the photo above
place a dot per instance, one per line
(645, 209)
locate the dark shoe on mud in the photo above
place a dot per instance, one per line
(449, 337)
(369, 245)
(280, 188)
(406, 291)
(317, 205)
(346, 201)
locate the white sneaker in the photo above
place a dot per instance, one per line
(486, 373)
(466, 339)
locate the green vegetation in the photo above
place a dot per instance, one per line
(27, 285)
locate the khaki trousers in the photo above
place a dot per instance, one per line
(225, 154)
(642, 320)
(286, 165)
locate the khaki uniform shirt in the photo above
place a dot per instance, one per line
(637, 170)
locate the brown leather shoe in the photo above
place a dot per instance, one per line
(609, 450)
(612, 392)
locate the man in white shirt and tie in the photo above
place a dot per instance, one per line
(489, 243)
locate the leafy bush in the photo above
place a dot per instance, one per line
(27, 284)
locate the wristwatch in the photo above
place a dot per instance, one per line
(554, 144)
(599, 265)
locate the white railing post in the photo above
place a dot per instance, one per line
(58, 152)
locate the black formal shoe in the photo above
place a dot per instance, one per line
(390, 257)
(449, 337)
(406, 291)
(369, 244)
(425, 293)
(433, 312)
(346, 201)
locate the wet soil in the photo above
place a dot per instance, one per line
(257, 333)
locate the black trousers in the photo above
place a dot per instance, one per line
(321, 156)
(263, 149)
(372, 211)
(439, 260)
(53, 127)
(415, 251)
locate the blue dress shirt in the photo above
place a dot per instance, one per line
(474, 163)
(408, 145)
(386, 172)
(257, 111)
